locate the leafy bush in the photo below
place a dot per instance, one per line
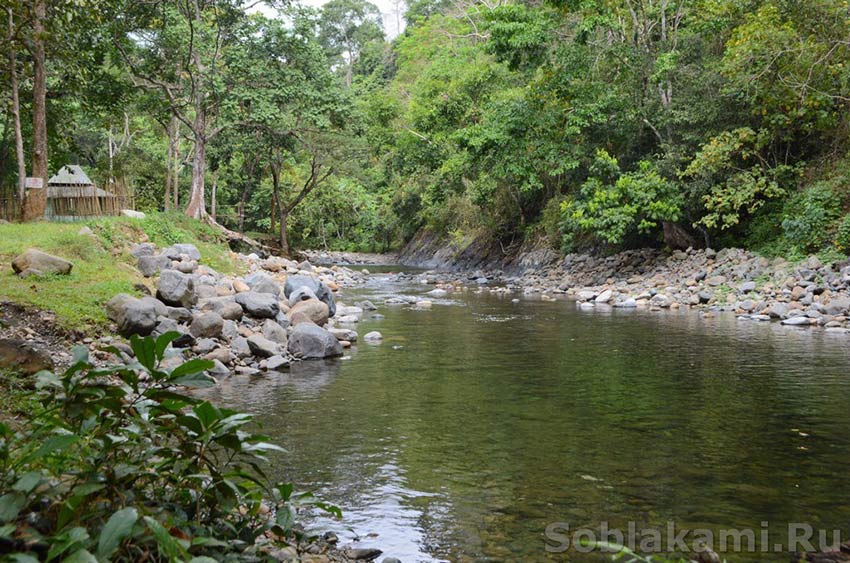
(121, 466)
(809, 216)
(842, 235)
(612, 206)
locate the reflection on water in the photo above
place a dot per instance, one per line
(495, 419)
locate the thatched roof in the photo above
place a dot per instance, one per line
(71, 182)
(70, 175)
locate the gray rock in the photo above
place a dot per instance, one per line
(303, 293)
(344, 334)
(277, 362)
(366, 305)
(661, 300)
(164, 324)
(179, 314)
(778, 311)
(240, 347)
(205, 291)
(629, 303)
(218, 370)
(261, 283)
(373, 336)
(37, 262)
(262, 347)
(362, 554)
(143, 249)
(309, 341)
(274, 332)
(133, 316)
(258, 305)
(176, 289)
(715, 281)
(311, 310)
(801, 320)
(207, 325)
(204, 346)
(586, 295)
(319, 289)
(226, 306)
(705, 296)
(838, 305)
(150, 266)
(747, 287)
(605, 296)
(175, 251)
(229, 330)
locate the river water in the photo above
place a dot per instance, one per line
(475, 425)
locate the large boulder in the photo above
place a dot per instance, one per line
(176, 289)
(36, 262)
(310, 342)
(261, 283)
(225, 306)
(176, 251)
(150, 266)
(263, 347)
(23, 357)
(274, 332)
(207, 325)
(258, 305)
(311, 310)
(132, 315)
(319, 289)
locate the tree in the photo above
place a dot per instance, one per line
(345, 27)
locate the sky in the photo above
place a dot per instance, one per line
(392, 19)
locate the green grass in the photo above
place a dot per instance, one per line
(17, 400)
(103, 266)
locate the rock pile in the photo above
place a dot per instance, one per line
(278, 313)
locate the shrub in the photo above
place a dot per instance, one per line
(809, 216)
(842, 235)
(121, 466)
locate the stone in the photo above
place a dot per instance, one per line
(164, 324)
(390, 560)
(133, 316)
(258, 305)
(204, 346)
(605, 296)
(362, 553)
(301, 294)
(277, 362)
(176, 289)
(226, 306)
(838, 305)
(150, 266)
(715, 281)
(274, 332)
(23, 357)
(778, 310)
(747, 287)
(311, 310)
(373, 336)
(262, 283)
(186, 267)
(240, 347)
(240, 287)
(132, 214)
(143, 249)
(319, 289)
(175, 251)
(437, 292)
(801, 320)
(344, 334)
(628, 303)
(309, 341)
(263, 347)
(207, 325)
(661, 300)
(366, 305)
(221, 354)
(586, 295)
(218, 370)
(37, 263)
(798, 292)
(705, 296)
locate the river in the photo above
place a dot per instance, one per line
(478, 423)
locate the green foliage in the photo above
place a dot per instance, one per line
(842, 235)
(809, 217)
(612, 206)
(120, 465)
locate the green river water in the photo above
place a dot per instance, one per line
(480, 422)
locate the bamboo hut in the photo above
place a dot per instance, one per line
(71, 195)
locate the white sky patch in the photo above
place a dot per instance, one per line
(391, 10)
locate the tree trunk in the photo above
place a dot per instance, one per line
(283, 210)
(175, 185)
(16, 113)
(169, 160)
(196, 207)
(284, 242)
(213, 203)
(37, 199)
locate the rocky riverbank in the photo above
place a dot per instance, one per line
(802, 294)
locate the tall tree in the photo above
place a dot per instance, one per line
(345, 27)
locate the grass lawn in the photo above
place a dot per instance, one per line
(102, 263)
